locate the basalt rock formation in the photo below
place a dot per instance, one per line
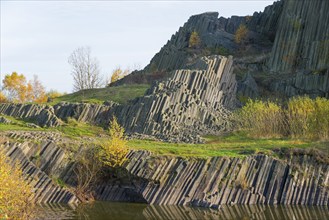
(293, 36)
(42, 115)
(217, 181)
(193, 101)
(168, 180)
(38, 163)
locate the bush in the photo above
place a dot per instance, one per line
(114, 151)
(302, 117)
(195, 40)
(261, 119)
(15, 194)
(241, 34)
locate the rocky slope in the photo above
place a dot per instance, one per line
(193, 101)
(168, 180)
(39, 163)
(294, 36)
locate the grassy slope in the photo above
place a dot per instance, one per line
(234, 145)
(119, 94)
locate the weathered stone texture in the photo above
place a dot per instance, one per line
(194, 101)
(217, 181)
(42, 114)
(38, 162)
(302, 38)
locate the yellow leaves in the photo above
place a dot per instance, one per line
(21, 91)
(303, 117)
(195, 40)
(241, 34)
(114, 151)
(3, 98)
(262, 118)
(15, 193)
(118, 73)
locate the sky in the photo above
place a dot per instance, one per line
(37, 37)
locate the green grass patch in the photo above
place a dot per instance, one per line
(119, 94)
(233, 145)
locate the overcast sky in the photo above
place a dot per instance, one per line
(38, 36)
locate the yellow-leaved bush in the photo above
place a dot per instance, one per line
(114, 151)
(261, 119)
(16, 195)
(301, 117)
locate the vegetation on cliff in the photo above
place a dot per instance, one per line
(15, 192)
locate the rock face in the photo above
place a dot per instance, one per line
(43, 115)
(194, 101)
(302, 38)
(38, 163)
(168, 180)
(216, 181)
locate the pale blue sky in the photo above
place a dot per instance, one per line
(38, 36)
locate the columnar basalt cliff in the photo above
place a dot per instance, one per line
(194, 101)
(302, 38)
(216, 181)
(39, 162)
(169, 180)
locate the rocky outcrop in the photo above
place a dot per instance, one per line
(42, 114)
(312, 83)
(168, 180)
(302, 38)
(193, 101)
(217, 181)
(40, 162)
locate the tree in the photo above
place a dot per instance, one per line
(18, 90)
(241, 34)
(36, 90)
(87, 169)
(113, 153)
(16, 195)
(3, 98)
(15, 85)
(195, 40)
(118, 73)
(85, 69)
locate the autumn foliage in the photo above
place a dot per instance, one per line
(118, 73)
(113, 153)
(241, 34)
(19, 90)
(15, 193)
(300, 117)
(3, 98)
(194, 40)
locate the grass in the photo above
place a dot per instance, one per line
(237, 144)
(72, 129)
(233, 145)
(119, 94)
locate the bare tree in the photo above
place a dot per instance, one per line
(85, 69)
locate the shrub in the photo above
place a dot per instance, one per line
(195, 40)
(114, 151)
(298, 112)
(261, 119)
(302, 117)
(241, 34)
(15, 193)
